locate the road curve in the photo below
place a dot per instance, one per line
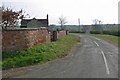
(93, 58)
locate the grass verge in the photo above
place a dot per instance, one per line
(39, 54)
(110, 38)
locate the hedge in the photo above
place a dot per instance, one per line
(113, 32)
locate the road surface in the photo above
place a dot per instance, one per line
(93, 58)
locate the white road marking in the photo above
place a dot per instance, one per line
(98, 39)
(105, 61)
(96, 43)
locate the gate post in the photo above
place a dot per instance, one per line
(54, 35)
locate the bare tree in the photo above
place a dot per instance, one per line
(62, 21)
(100, 22)
(95, 21)
(98, 27)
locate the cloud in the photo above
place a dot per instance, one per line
(86, 10)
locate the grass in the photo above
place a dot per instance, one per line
(110, 38)
(39, 54)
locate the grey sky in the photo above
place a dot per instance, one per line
(86, 10)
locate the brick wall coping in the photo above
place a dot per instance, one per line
(26, 29)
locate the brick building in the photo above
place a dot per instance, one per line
(34, 23)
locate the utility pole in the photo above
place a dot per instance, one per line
(79, 24)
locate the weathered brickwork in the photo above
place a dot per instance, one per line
(18, 39)
(59, 34)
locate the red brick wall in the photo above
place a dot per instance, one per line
(18, 39)
(59, 34)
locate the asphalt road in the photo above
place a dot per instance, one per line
(93, 58)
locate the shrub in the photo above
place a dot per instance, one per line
(112, 32)
(95, 32)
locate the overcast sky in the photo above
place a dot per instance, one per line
(86, 10)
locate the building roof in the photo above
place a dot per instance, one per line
(40, 22)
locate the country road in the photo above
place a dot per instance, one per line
(93, 58)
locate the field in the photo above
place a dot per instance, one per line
(110, 38)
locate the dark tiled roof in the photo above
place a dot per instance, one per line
(43, 22)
